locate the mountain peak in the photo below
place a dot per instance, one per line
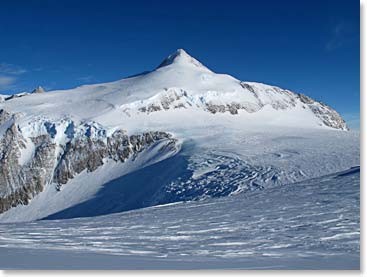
(181, 57)
(180, 52)
(38, 89)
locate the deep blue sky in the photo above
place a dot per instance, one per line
(306, 46)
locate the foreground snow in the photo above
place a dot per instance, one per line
(308, 225)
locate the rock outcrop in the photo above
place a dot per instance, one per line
(329, 116)
(38, 89)
(19, 183)
(279, 99)
(21, 180)
(85, 153)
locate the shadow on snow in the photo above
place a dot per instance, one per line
(132, 191)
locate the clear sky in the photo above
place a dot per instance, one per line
(308, 46)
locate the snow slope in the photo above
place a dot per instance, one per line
(313, 224)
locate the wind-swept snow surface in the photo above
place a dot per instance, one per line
(308, 225)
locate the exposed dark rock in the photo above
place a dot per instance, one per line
(86, 153)
(166, 101)
(21, 182)
(150, 108)
(4, 116)
(329, 116)
(233, 108)
(38, 89)
(247, 86)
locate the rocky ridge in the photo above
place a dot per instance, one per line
(52, 163)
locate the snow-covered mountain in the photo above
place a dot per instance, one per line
(61, 148)
(180, 82)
